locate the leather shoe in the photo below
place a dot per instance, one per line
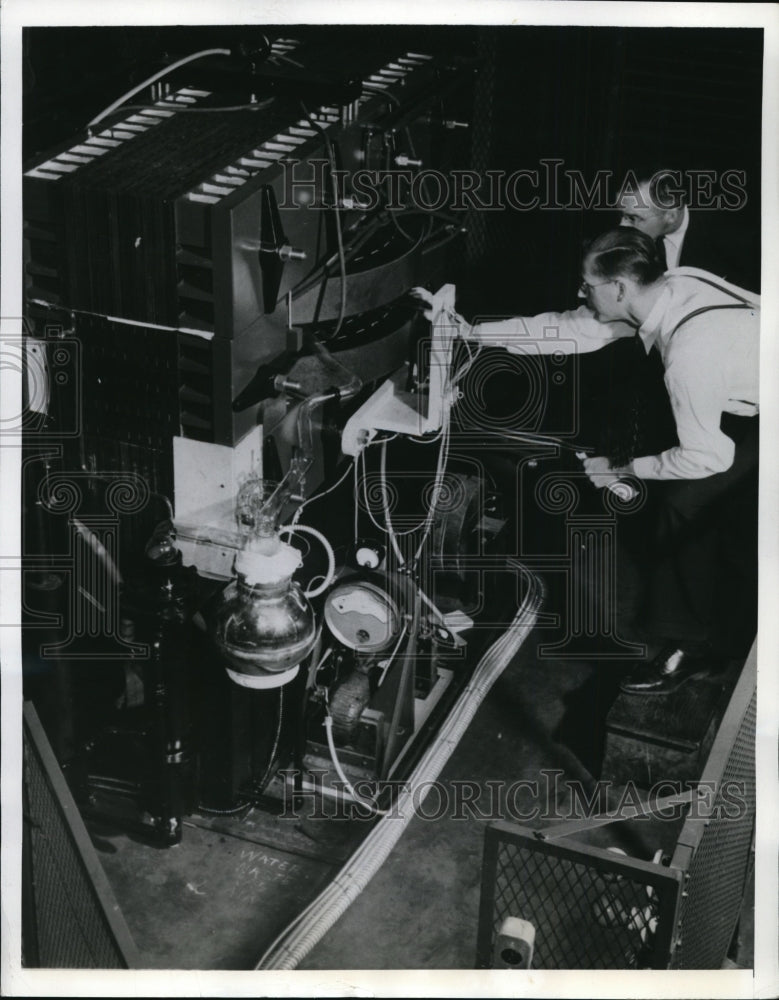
(671, 668)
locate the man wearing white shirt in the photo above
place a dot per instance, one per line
(707, 334)
(710, 369)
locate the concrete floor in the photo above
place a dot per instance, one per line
(216, 900)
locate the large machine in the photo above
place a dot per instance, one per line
(246, 530)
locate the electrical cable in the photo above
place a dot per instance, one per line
(368, 803)
(337, 214)
(154, 78)
(427, 523)
(325, 656)
(388, 662)
(352, 246)
(466, 366)
(318, 496)
(443, 457)
(259, 786)
(183, 110)
(306, 530)
(406, 674)
(291, 946)
(373, 520)
(378, 91)
(285, 58)
(392, 214)
(356, 500)
(394, 218)
(244, 807)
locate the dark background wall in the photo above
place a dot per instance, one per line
(609, 98)
(594, 98)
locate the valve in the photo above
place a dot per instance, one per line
(274, 250)
(350, 204)
(286, 252)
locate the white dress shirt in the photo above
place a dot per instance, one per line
(673, 241)
(711, 362)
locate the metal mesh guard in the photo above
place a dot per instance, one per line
(721, 864)
(589, 910)
(76, 924)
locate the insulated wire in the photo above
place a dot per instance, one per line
(356, 498)
(318, 496)
(368, 803)
(393, 536)
(259, 786)
(185, 110)
(388, 662)
(154, 78)
(375, 523)
(296, 941)
(427, 523)
(337, 211)
(396, 100)
(351, 245)
(443, 456)
(285, 58)
(392, 215)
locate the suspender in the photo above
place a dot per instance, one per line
(703, 309)
(727, 291)
(741, 304)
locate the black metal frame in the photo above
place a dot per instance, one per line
(684, 890)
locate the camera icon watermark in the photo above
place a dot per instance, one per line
(49, 371)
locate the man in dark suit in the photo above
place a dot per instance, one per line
(714, 240)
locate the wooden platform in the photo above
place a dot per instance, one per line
(652, 738)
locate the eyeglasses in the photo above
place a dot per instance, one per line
(585, 285)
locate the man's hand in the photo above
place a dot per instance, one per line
(426, 298)
(600, 472)
(434, 308)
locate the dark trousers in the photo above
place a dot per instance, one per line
(702, 566)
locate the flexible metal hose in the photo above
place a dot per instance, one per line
(310, 926)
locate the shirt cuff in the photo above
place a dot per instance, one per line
(645, 467)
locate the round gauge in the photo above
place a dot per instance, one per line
(368, 557)
(362, 616)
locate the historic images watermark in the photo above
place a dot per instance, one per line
(548, 186)
(546, 799)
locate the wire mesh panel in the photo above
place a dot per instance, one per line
(593, 910)
(715, 847)
(590, 909)
(70, 917)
